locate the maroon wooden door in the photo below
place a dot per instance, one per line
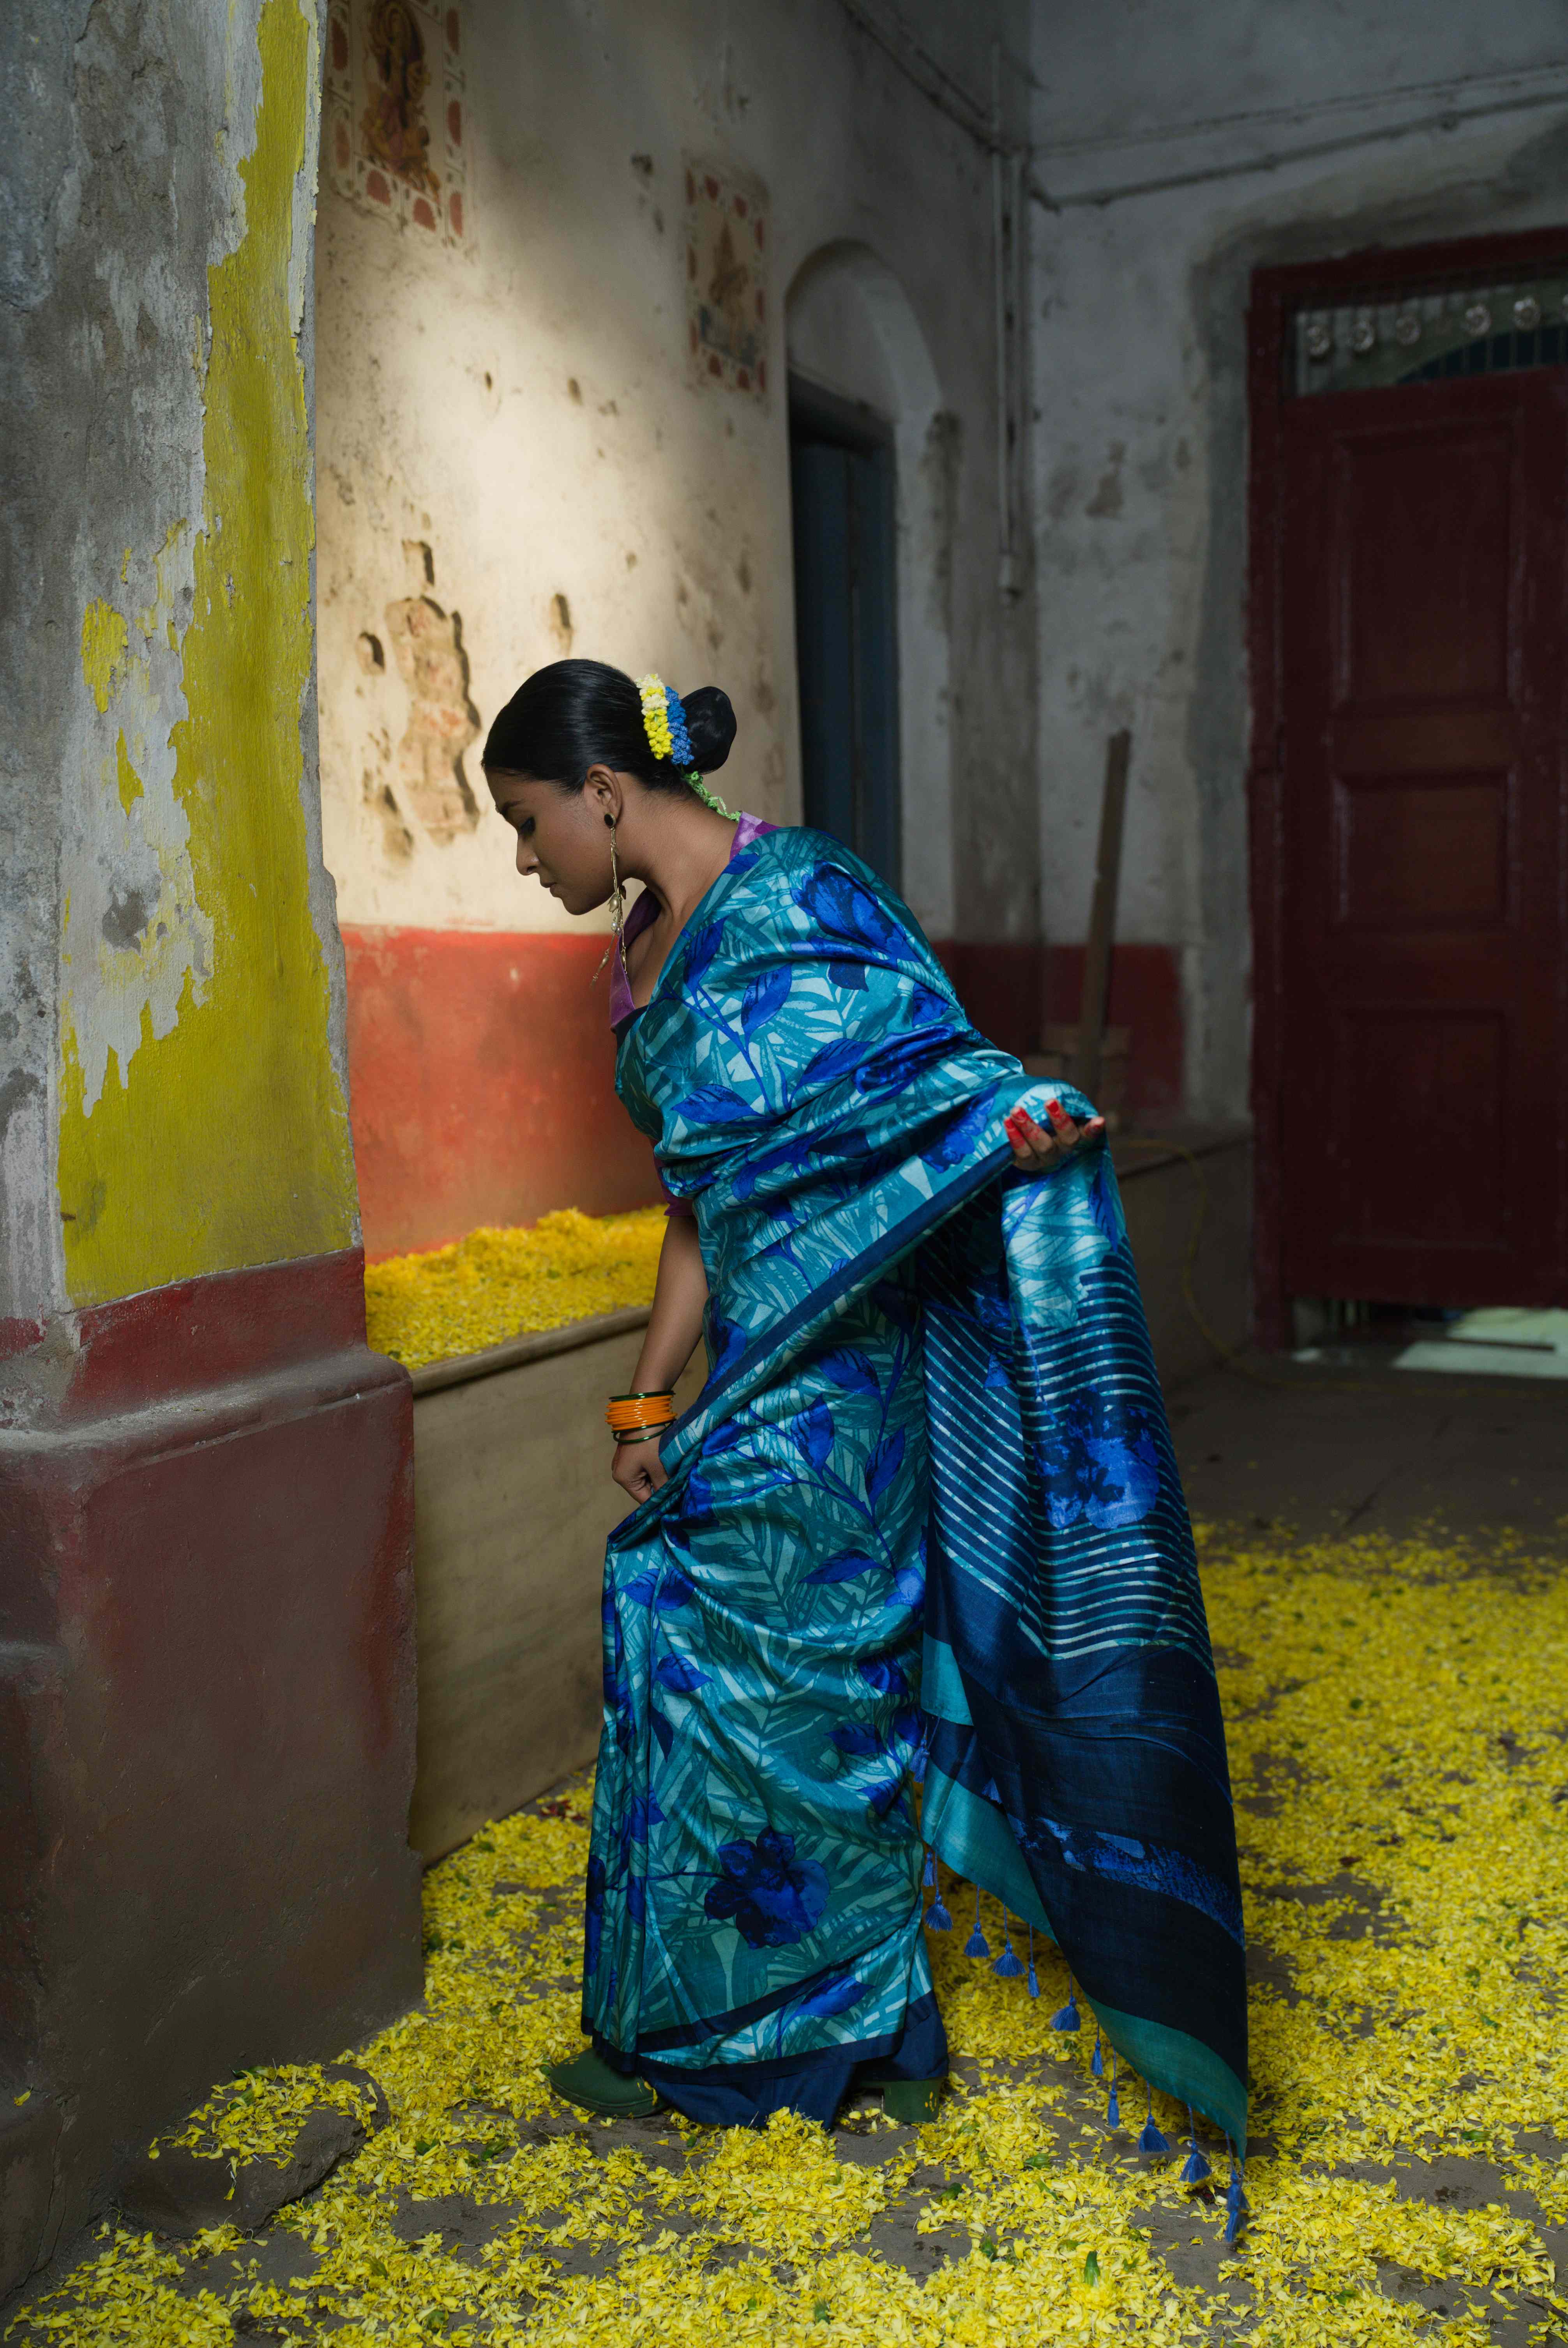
(1419, 819)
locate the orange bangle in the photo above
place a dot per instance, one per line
(640, 1414)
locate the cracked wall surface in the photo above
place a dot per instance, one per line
(523, 403)
(1174, 155)
(171, 1073)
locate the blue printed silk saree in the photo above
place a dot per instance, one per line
(923, 1524)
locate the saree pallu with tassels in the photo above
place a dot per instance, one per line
(923, 1519)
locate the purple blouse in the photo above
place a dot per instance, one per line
(644, 912)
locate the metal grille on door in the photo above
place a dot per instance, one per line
(1382, 337)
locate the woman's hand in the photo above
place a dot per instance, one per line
(636, 1467)
(1037, 1151)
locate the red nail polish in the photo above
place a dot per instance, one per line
(1053, 1108)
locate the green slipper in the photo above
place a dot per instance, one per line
(588, 2081)
(911, 2102)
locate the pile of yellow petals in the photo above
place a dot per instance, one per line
(1397, 1721)
(496, 1284)
(259, 2113)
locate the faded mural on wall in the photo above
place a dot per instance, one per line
(726, 297)
(395, 126)
(427, 645)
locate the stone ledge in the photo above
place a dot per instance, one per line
(173, 2190)
(1134, 1154)
(29, 2142)
(531, 1345)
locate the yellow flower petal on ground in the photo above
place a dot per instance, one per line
(1396, 1725)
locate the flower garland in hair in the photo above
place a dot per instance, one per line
(664, 723)
(656, 698)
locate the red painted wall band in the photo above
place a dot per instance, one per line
(1002, 987)
(196, 1334)
(1011, 992)
(482, 1067)
(482, 1084)
(1145, 997)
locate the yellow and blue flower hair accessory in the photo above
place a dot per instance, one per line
(664, 723)
(656, 698)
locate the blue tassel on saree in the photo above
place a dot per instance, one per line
(926, 1503)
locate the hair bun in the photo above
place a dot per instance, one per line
(711, 723)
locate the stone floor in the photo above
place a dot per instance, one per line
(1355, 1445)
(1360, 1446)
(1317, 1452)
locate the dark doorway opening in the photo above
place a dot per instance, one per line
(845, 602)
(1409, 568)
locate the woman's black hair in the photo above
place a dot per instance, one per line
(578, 713)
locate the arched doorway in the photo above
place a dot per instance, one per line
(871, 462)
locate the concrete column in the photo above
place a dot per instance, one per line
(206, 1665)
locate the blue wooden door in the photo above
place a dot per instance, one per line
(842, 483)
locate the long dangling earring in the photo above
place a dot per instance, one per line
(617, 910)
(616, 898)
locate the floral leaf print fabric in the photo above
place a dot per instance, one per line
(772, 1720)
(773, 1898)
(923, 1515)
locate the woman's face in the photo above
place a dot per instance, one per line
(563, 840)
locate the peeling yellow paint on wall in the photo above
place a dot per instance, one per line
(128, 782)
(223, 1141)
(103, 635)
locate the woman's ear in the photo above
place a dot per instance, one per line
(602, 789)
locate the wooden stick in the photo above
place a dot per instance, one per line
(1102, 917)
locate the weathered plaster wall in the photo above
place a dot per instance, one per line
(177, 1094)
(206, 1497)
(1180, 148)
(512, 437)
(526, 410)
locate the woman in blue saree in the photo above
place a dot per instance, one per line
(923, 1525)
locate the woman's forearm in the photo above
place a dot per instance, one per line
(680, 1295)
